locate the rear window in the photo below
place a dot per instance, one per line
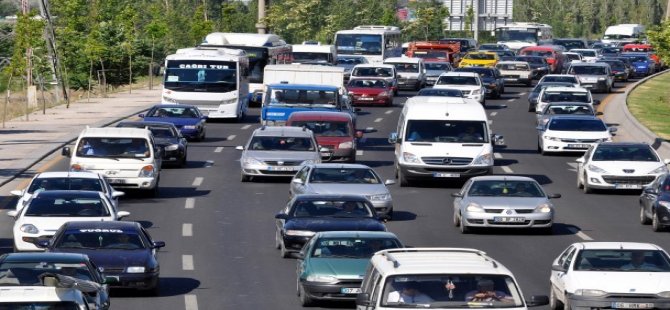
(268, 143)
(113, 147)
(82, 184)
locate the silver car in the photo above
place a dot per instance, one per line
(345, 179)
(278, 152)
(596, 76)
(503, 202)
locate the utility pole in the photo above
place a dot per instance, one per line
(667, 11)
(475, 24)
(50, 35)
(29, 50)
(261, 15)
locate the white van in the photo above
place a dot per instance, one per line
(411, 72)
(440, 278)
(437, 138)
(127, 157)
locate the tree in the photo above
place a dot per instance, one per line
(199, 26)
(237, 17)
(469, 18)
(429, 22)
(659, 37)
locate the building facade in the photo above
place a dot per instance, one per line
(491, 13)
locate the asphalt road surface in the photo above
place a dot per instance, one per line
(220, 232)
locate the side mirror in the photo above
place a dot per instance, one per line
(17, 192)
(141, 115)
(359, 134)
(117, 194)
(498, 140)
(612, 129)
(122, 214)
(297, 181)
(158, 244)
(239, 148)
(538, 300)
(299, 255)
(596, 102)
(558, 268)
(43, 244)
(12, 213)
(554, 196)
(666, 161)
(580, 160)
(456, 195)
(393, 138)
(281, 216)
(363, 299)
(204, 117)
(66, 151)
(650, 190)
(389, 182)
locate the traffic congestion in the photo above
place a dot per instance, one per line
(368, 174)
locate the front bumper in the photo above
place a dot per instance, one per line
(270, 171)
(176, 156)
(360, 100)
(620, 76)
(133, 183)
(222, 111)
(295, 243)
(430, 81)
(560, 146)
(441, 172)
(383, 208)
(338, 154)
(331, 291)
(600, 86)
(142, 281)
(516, 220)
(621, 301)
(24, 242)
(518, 80)
(609, 181)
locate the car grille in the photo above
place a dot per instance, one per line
(451, 161)
(617, 179)
(511, 76)
(519, 211)
(465, 92)
(580, 140)
(114, 270)
(492, 222)
(283, 163)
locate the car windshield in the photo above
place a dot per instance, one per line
(351, 61)
(331, 208)
(451, 291)
(302, 98)
(187, 112)
(65, 183)
(588, 70)
(624, 153)
(437, 66)
(359, 44)
(357, 248)
(66, 207)
(441, 92)
(559, 78)
(373, 71)
(446, 131)
(622, 260)
(201, 76)
(457, 80)
(568, 109)
(615, 65)
(325, 128)
(560, 124)
(113, 147)
(610, 50)
(367, 83)
(505, 188)
(116, 239)
(585, 53)
(483, 72)
(480, 56)
(573, 56)
(565, 96)
(344, 175)
(270, 143)
(570, 44)
(406, 67)
(513, 67)
(45, 305)
(27, 272)
(539, 87)
(532, 60)
(537, 53)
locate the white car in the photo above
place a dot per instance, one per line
(564, 94)
(588, 54)
(64, 180)
(468, 83)
(46, 211)
(573, 57)
(619, 165)
(561, 78)
(516, 72)
(611, 275)
(571, 133)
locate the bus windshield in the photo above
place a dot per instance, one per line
(524, 35)
(359, 44)
(201, 76)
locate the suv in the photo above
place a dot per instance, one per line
(411, 72)
(596, 76)
(469, 83)
(278, 152)
(334, 131)
(443, 278)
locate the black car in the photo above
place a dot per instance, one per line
(124, 251)
(307, 214)
(618, 69)
(506, 55)
(167, 137)
(24, 269)
(535, 93)
(611, 51)
(537, 63)
(440, 92)
(491, 78)
(655, 204)
(569, 43)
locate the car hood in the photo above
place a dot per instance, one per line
(617, 167)
(328, 140)
(177, 121)
(112, 258)
(341, 268)
(622, 282)
(366, 90)
(282, 155)
(423, 149)
(459, 87)
(508, 202)
(317, 224)
(579, 134)
(348, 189)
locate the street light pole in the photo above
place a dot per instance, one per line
(260, 25)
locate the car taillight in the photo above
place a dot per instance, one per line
(551, 61)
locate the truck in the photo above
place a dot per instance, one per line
(434, 51)
(297, 87)
(623, 32)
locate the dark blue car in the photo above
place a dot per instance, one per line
(643, 65)
(655, 204)
(122, 250)
(187, 118)
(491, 78)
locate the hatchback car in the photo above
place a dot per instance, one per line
(643, 65)
(619, 165)
(564, 108)
(168, 138)
(187, 118)
(332, 263)
(535, 92)
(334, 131)
(278, 152)
(655, 204)
(500, 201)
(618, 69)
(372, 91)
(571, 133)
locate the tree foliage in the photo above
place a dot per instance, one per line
(429, 22)
(659, 36)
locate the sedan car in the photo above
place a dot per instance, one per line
(168, 138)
(501, 201)
(571, 133)
(516, 72)
(343, 179)
(305, 215)
(655, 204)
(492, 79)
(434, 69)
(564, 108)
(538, 64)
(618, 69)
(78, 180)
(535, 93)
(370, 91)
(24, 269)
(596, 76)
(561, 78)
(187, 118)
(643, 65)
(46, 211)
(332, 264)
(610, 275)
(123, 250)
(619, 165)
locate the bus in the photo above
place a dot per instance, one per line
(519, 35)
(261, 49)
(375, 43)
(213, 79)
(315, 54)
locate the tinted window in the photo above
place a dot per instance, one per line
(406, 67)
(325, 128)
(295, 97)
(379, 72)
(557, 78)
(622, 260)
(457, 80)
(480, 56)
(538, 53)
(84, 184)
(267, 143)
(569, 109)
(577, 125)
(437, 66)
(344, 175)
(351, 247)
(446, 131)
(101, 239)
(330, 208)
(588, 70)
(351, 60)
(624, 153)
(505, 188)
(67, 207)
(367, 83)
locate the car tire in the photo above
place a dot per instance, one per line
(389, 215)
(154, 192)
(585, 187)
(644, 219)
(277, 242)
(554, 303)
(531, 108)
(244, 178)
(498, 94)
(456, 220)
(183, 162)
(283, 253)
(305, 300)
(402, 179)
(656, 223)
(464, 228)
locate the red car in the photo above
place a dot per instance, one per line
(553, 55)
(370, 91)
(334, 131)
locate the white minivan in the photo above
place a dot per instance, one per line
(127, 157)
(411, 72)
(437, 138)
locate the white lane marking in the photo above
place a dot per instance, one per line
(510, 100)
(197, 181)
(231, 137)
(494, 113)
(490, 122)
(190, 203)
(187, 230)
(191, 302)
(507, 169)
(388, 112)
(580, 234)
(497, 155)
(359, 152)
(247, 126)
(209, 163)
(379, 120)
(521, 94)
(573, 166)
(187, 262)
(218, 149)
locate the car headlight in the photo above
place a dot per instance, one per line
(596, 169)
(642, 67)
(661, 169)
(484, 160)
(476, 91)
(147, 171)
(601, 79)
(190, 127)
(608, 139)
(590, 292)
(665, 294)
(135, 269)
(320, 278)
(383, 94)
(172, 147)
(29, 229)
(251, 161)
(550, 138)
(346, 145)
(665, 204)
(300, 233)
(410, 158)
(351, 93)
(474, 208)
(309, 162)
(229, 101)
(379, 197)
(543, 208)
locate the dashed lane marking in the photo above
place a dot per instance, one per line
(522, 94)
(190, 203)
(490, 122)
(510, 100)
(573, 166)
(379, 120)
(494, 114)
(507, 169)
(197, 181)
(246, 126)
(191, 302)
(231, 137)
(497, 155)
(359, 152)
(388, 112)
(209, 163)
(580, 234)
(187, 230)
(187, 262)
(218, 149)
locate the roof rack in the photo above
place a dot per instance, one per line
(391, 258)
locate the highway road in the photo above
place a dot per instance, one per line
(220, 232)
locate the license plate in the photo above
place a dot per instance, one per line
(632, 305)
(628, 186)
(280, 168)
(579, 146)
(117, 181)
(446, 175)
(326, 154)
(509, 219)
(366, 98)
(350, 290)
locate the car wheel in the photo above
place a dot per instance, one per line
(283, 253)
(464, 228)
(244, 177)
(277, 240)
(644, 219)
(656, 223)
(402, 179)
(352, 158)
(156, 290)
(389, 215)
(456, 220)
(305, 300)
(554, 303)
(586, 188)
(531, 108)
(499, 94)
(153, 193)
(484, 102)
(183, 161)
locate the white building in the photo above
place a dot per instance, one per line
(491, 13)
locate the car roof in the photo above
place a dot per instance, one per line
(552, 75)
(115, 132)
(615, 144)
(566, 89)
(68, 174)
(313, 87)
(330, 197)
(179, 105)
(68, 194)
(403, 60)
(44, 257)
(502, 178)
(342, 166)
(320, 115)
(459, 73)
(435, 261)
(418, 108)
(590, 64)
(125, 225)
(512, 62)
(356, 234)
(284, 131)
(617, 246)
(142, 124)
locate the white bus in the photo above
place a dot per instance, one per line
(314, 54)
(375, 43)
(261, 49)
(216, 80)
(519, 35)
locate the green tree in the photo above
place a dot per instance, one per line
(237, 17)
(429, 22)
(199, 26)
(469, 18)
(659, 37)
